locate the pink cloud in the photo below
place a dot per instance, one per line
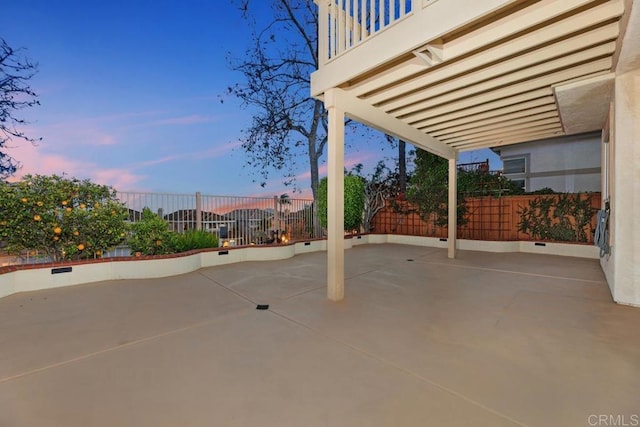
(152, 162)
(83, 131)
(122, 116)
(349, 162)
(183, 121)
(220, 150)
(213, 152)
(121, 179)
(76, 134)
(34, 162)
(304, 193)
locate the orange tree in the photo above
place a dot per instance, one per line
(64, 218)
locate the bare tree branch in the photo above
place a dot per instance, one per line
(15, 95)
(287, 124)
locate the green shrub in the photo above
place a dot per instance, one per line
(63, 218)
(429, 189)
(194, 239)
(150, 235)
(353, 202)
(565, 217)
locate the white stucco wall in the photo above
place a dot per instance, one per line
(568, 183)
(622, 266)
(41, 278)
(550, 158)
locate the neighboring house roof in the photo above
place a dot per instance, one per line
(247, 214)
(134, 215)
(190, 215)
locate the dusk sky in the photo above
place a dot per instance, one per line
(130, 93)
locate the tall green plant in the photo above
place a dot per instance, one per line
(353, 202)
(429, 190)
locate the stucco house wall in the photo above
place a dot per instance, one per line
(565, 164)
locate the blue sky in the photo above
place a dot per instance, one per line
(130, 95)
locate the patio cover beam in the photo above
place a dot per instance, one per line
(365, 113)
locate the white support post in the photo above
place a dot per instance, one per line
(453, 209)
(335, 200)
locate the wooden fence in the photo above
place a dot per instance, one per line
(488, 218)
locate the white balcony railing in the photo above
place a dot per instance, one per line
(344, 24)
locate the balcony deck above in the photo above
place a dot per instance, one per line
(474, 74)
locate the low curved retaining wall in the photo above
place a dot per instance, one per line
(27, 278)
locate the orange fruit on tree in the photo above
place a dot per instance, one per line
(37, 217)
(68, 209)
(82, 206)
(76, 233)
(57, 230)
(56, 238)
(40, 204)
(25, 200)
(64, 203)
(80, 247)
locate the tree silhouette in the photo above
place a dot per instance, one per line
(287, 123)
(15, 94)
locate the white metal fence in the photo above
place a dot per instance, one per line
(235, 220)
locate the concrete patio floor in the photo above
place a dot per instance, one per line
(421, 340)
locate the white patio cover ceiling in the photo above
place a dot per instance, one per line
(534, 70)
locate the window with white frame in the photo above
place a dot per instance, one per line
(516, 168)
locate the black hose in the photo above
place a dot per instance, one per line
(601, 237)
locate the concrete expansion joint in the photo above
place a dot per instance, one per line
(521, 273)
(137, 341)
(118, 347)
(297, 294)
(236, 293)
(397, 367)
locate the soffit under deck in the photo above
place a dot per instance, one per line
(524, 75)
